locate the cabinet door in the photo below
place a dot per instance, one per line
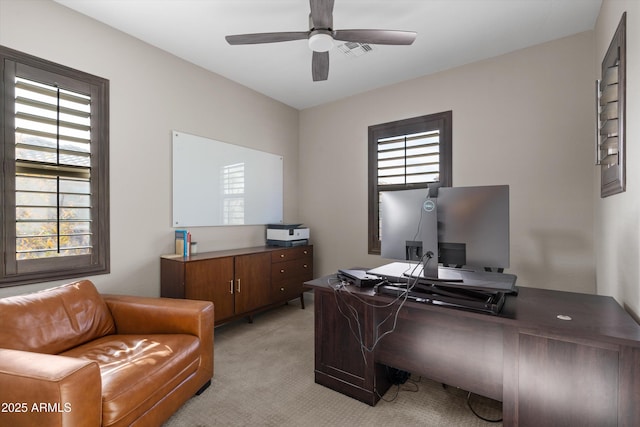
(567, 383)
(212, 280)
(252, 281)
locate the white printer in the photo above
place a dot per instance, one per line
(287, 235)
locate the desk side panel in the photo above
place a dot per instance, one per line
(629, 411)
(340, 362)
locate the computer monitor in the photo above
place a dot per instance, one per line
(409, 228)
(463, 226)
(473, 226)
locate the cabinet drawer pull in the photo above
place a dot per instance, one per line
(305, 252)
(305, 266)
(282, 270)
(231, 286)
(282, 255)
(282, 289)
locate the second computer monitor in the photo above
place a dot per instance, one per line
(473, 226)
(468, 226)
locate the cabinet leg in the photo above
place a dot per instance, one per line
(250, 318)
(302, 300)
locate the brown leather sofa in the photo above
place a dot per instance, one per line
(70, 356)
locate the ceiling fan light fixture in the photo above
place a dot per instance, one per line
(320, 41)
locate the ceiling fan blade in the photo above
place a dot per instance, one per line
(266, 37)
(321, 13)
(393, 37)
(320, 66)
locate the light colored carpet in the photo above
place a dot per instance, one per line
(264, 377)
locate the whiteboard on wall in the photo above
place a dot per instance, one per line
(215, 183)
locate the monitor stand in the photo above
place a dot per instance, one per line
(401, 272)
(428, 231)
(441, 275)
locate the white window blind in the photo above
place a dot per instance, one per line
(53, 171)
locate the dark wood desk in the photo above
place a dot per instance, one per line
(546, 371)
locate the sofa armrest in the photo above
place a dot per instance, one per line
(144, 315)
(48, 390)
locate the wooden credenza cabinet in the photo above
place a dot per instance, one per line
(240, 282)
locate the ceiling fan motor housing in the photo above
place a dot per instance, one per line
(320, 40)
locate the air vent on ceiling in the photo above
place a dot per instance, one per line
(354, 49)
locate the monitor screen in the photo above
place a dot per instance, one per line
(473, 226)
(468, 227)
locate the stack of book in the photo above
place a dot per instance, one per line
(183, 243)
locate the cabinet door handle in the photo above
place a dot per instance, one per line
(305, 266)
(282, 270)
(238, 285)
(282, 289)
(305, 252)
(231, 286)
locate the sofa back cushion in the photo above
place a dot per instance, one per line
(54, 320)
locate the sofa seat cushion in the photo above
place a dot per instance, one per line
(137, 370)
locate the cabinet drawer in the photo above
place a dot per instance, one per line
(286, 290)
(295, 252)
(297, 268)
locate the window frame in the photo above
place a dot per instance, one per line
(15, 272)
(441, 121)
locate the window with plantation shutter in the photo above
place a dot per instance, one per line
(411, 153)
(55, 177)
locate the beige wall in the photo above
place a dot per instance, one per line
(617, 218)
(523, 119)
(152, 93)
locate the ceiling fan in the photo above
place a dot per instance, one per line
(321, 36)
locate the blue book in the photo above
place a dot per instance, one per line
(181, 242)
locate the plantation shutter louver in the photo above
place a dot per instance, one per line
(409, 159)
(53, 171)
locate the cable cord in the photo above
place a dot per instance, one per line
(468, 401)
(399, 388)
(427, 197)
(478, 415)
(402, 298)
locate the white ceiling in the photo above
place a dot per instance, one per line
(450, 33)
